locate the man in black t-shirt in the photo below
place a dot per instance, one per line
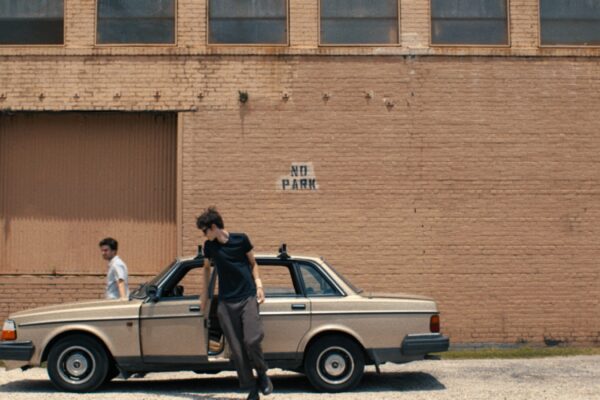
(240, 293)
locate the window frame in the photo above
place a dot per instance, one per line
(287, 31)
(557, 46)
(508, 33)
(64, 36)
(295, 280)
(398, 24)
(174, 44)
(339, 292)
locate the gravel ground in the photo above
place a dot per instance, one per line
(569, 378)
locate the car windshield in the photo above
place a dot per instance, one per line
(140, 292)
(343, 278)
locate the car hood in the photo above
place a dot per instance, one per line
(79, 311)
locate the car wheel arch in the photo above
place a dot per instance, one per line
(335, 332)
(74, 332)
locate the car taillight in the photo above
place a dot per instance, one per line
(9, 330)
(434, 324)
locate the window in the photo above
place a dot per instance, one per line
(136, 22)
(570, 22)
(187, 285)
(31, 22)
(315, 282)
(277, 280)
(469, 22)
(359, 22)
(247, 21)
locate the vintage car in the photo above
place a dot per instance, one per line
(316, 322)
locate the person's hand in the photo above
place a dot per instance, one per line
(260, 295)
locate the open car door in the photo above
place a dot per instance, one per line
(172, 324)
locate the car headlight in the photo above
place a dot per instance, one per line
(9, 330)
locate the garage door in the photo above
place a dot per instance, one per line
(69, 179)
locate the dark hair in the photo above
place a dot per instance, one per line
(110, 242)
(209, 217)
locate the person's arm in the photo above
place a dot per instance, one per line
(260, 293)
(122, 290)
(206, 274)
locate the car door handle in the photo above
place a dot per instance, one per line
(298, 306)
(194, 308)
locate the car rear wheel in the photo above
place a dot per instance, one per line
(334, 364)
(78, 363)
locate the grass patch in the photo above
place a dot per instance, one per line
(521, 352)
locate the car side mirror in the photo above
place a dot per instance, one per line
(152, 292)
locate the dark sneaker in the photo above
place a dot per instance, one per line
(253, 395)
(265, 384)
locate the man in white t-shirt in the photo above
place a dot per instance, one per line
(117, 286)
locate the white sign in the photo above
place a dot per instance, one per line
(301, 178)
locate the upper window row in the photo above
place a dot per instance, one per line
(342, 22)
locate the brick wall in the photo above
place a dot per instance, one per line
(477, 184)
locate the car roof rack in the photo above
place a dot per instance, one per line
(283, 254)
(199, 254)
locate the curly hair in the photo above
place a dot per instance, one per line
(209, 217)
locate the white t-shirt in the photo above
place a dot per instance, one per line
(116, 270)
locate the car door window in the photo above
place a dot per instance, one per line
(277, 281)
(315, 283)
(187, 286)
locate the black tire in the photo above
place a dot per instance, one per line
(112, 373)
(334, 364)
(78, 363)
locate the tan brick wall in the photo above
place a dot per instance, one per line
(478, 187)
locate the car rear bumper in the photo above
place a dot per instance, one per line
(16, 351)
(414, 345)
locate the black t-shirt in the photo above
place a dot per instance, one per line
(233, 267)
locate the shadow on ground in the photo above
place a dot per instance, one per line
(214, 387)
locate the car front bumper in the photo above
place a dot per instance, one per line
(16, 351)
(414, 345)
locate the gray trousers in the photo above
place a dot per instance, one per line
(244, 333)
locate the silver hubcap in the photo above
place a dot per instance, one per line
(76, 365)
(335, 365)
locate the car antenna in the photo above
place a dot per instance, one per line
(283, 252)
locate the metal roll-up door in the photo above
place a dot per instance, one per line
(69, 179)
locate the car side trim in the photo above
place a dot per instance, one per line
(276, 313)
(71, 321)
(16, 351)
(371, 312)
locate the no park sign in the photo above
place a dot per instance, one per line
(301, 178)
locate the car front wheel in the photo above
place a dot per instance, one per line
(334, 364)
(78, 363)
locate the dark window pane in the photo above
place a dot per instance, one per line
(247, 8)
(136, 8)
(136, 21)
(468, 8)
(248, 21)
(344, 31)
(469, 22)
(125, 30)
(359, 8)
(456, 31)
(359, 21)
(570, 22)
(31, 22)
(244, 31)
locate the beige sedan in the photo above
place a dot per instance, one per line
(316, 322)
